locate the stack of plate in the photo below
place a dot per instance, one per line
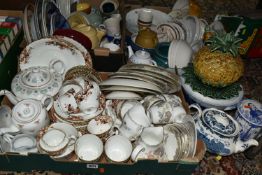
(167, 32)
(184, 137)
(134, 81)
(41, 19)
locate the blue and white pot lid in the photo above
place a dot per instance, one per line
(220, 122)
(251, 111)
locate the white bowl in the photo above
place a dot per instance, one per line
(89, 147)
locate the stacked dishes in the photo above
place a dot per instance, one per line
(140, 79)
(41, 19)
(167, 32)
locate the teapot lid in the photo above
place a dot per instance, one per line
(251, 110)
(220, 122)
(142, 54)
(26, 111)
(36, 82)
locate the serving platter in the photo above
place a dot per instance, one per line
(123, 95)
(43, 51)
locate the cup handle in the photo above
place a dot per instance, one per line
(47, 101)
(72, 140)
(153, 63)
(197, 114)
(53, 69)
(138, 150)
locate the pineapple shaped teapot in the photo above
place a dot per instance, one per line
(219, 131)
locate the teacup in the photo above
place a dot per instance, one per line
(149, 146)
(124, 106)
(89, 148)
(22, 143)
(54, 141)
(134, 121)
(118, 148)
(100, 126)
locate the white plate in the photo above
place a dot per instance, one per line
(158, 18)
(41, 52)
(46, 13)
(123, 95)
(131, 83)
(128, 88)
(28, 13)
(38, 18)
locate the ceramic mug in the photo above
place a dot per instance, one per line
(112, 26)
(118, 149)
(145, 18)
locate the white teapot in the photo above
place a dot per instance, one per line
(28, 115)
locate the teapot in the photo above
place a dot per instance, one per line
(219, 131)
(37, 82)
(140, 57)
(94, 34)
(146, 38)
(28, 116)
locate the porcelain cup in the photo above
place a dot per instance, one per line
(100, 126)
(149, 145)
(89, 148)
(21, 143)
(145, 18)
(129, 128)
(54, 141)
(118, 148)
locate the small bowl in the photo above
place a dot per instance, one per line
(75, 35)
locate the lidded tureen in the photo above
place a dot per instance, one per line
(37, 82)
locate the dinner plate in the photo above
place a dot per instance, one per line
(38, 18)
(28, 13)
(123, 95)
(130, 82)
(167, 85)
(43, 51)
(158, 18)
(154, 69)
(157, 72)
(136, 77)
(128, 88)
(47, 9)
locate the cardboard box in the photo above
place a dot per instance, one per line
(42, 162)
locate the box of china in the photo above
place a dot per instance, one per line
(37, 162)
